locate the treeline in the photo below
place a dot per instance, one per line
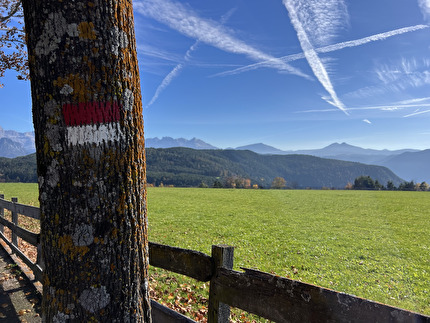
(19, 169)
(185, 167)
(367, 183)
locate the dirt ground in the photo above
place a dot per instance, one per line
(19, 299)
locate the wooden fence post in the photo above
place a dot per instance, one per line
(1, 214)
(15, 221)
(223, 257)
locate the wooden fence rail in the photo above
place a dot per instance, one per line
(276, 298)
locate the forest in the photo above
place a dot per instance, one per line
(186, 167)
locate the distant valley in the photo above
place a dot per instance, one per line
(409, 164)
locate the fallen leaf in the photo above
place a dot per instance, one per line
(22, 312)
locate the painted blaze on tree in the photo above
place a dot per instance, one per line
(87, 114)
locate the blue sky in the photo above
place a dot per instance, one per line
(293, 74)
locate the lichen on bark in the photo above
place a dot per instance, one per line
(87, 113)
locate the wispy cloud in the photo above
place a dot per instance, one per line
(176, 70)
(425, 8)
(396, 77)
(367, 121)
(332, 48)
(321, 20)
(309, 51)
(188, 23)
(404, 74)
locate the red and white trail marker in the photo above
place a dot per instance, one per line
(92, 122)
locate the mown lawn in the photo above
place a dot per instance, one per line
(371, 244)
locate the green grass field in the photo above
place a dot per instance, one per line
(373, 244)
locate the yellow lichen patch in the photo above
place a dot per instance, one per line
(46, 147)
(65, 243)
(80, 89)
(46, 281)
(114, 233)
(86, 30)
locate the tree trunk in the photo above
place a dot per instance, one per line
(87, 114)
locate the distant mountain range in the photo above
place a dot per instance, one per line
(169, 142)
(13, 143)
(409, 164)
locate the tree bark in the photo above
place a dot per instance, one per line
(87, 114)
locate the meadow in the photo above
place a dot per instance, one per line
(373, 244)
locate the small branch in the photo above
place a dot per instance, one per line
(14, 10)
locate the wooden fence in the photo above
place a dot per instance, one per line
(273, 297)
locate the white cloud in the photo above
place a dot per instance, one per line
(396, 77)
(404, 74)
(311, 55)
(367, 121)
(321, 19)
(176, 70)
(332, 48)
(188, 23)
(425, 8)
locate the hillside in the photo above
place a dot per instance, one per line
(188, 167)
(169, 142)
(19, 169)
(410, 165)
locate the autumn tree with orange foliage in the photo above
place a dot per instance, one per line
(13, 54)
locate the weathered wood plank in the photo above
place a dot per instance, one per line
(27, 210)
(15, 221)
(37, 271)
(182, 261)
(284, 300)
(30, 237)
(5, 204)
(1, 212)
(163, 314)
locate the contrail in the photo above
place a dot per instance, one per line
(175, 72)
(416, 113)
(331, 48)
(166, 81)
(390, 107)
(188, 23)
(312, 57)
